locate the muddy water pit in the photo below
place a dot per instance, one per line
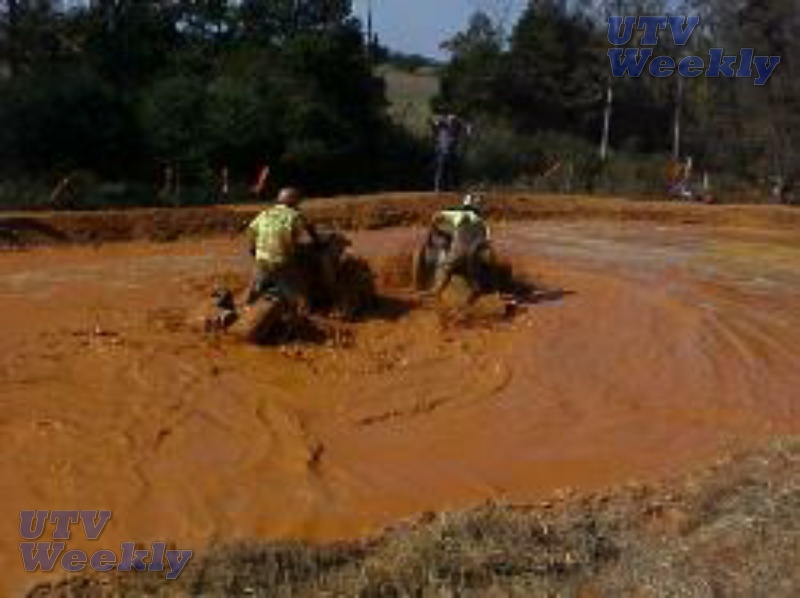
(666, 347)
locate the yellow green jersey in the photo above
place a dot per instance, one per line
(276, 232)
(449, 221)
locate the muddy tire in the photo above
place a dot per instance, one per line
(257, 322)
(424, 266)
(419, 274)
(356, 287)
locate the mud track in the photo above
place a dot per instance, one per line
(654, 347)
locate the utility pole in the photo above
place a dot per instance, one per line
(604, 142)
(676, 124)
(369, 20)
(370, 34)
(606, 122)
(12, 26)
(295, 16)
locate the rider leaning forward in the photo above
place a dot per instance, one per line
(464, 232)
(273, 240)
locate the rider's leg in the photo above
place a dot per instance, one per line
(262, 274)
(455, 258)
(442, 278)
(287, 284)
(439, 182)
(328, 274)
(479, 266)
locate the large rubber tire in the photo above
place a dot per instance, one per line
(420, 275)
(425, 262)
(256, 322)
(356, 287)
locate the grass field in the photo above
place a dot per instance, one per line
(409, 95)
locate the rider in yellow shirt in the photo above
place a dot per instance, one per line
(273, 237)
(463, 231)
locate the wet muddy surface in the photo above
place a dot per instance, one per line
(650, 350)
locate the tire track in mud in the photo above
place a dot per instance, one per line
(451, 399)
(235, 436)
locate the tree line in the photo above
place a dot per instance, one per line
(541, 94)
(147, 101)
(178, 94)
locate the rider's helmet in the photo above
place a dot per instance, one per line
(472, 202)
(290, 196)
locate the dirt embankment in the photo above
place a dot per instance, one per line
(369, 212)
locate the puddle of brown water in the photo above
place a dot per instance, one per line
(649, 366)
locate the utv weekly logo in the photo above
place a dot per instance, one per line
(45, 556)
(632, 61)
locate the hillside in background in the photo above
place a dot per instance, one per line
(409, 93)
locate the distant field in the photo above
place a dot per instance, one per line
(409, 94)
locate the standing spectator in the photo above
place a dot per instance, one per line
(448, 133)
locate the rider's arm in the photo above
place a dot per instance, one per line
(437, 226)
(439, 221)
(251, 235)
(305, 226)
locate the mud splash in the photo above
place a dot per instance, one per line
(656, 350)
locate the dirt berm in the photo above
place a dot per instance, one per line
(369, 212)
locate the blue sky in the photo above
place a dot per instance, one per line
(419, 26)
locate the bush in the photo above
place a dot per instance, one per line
(544, 161)
(23, 194)
(630, 173)
(61, 120)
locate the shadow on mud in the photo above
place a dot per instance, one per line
(312, 330)
(545, 295)
(389, 308)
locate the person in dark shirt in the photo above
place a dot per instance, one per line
(448, 133)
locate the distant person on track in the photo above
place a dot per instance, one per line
(464, 233)
(679, 180)
(273, 239)
(448, 133)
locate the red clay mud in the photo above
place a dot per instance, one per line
(650, 350)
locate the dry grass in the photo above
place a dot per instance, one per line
(733, 530)
(409, 94)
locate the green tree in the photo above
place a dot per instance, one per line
(557, 73)
(174, 114)
(66, 119)
(472, 84)
(124, 88)
(245, 122)
(127, 42)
